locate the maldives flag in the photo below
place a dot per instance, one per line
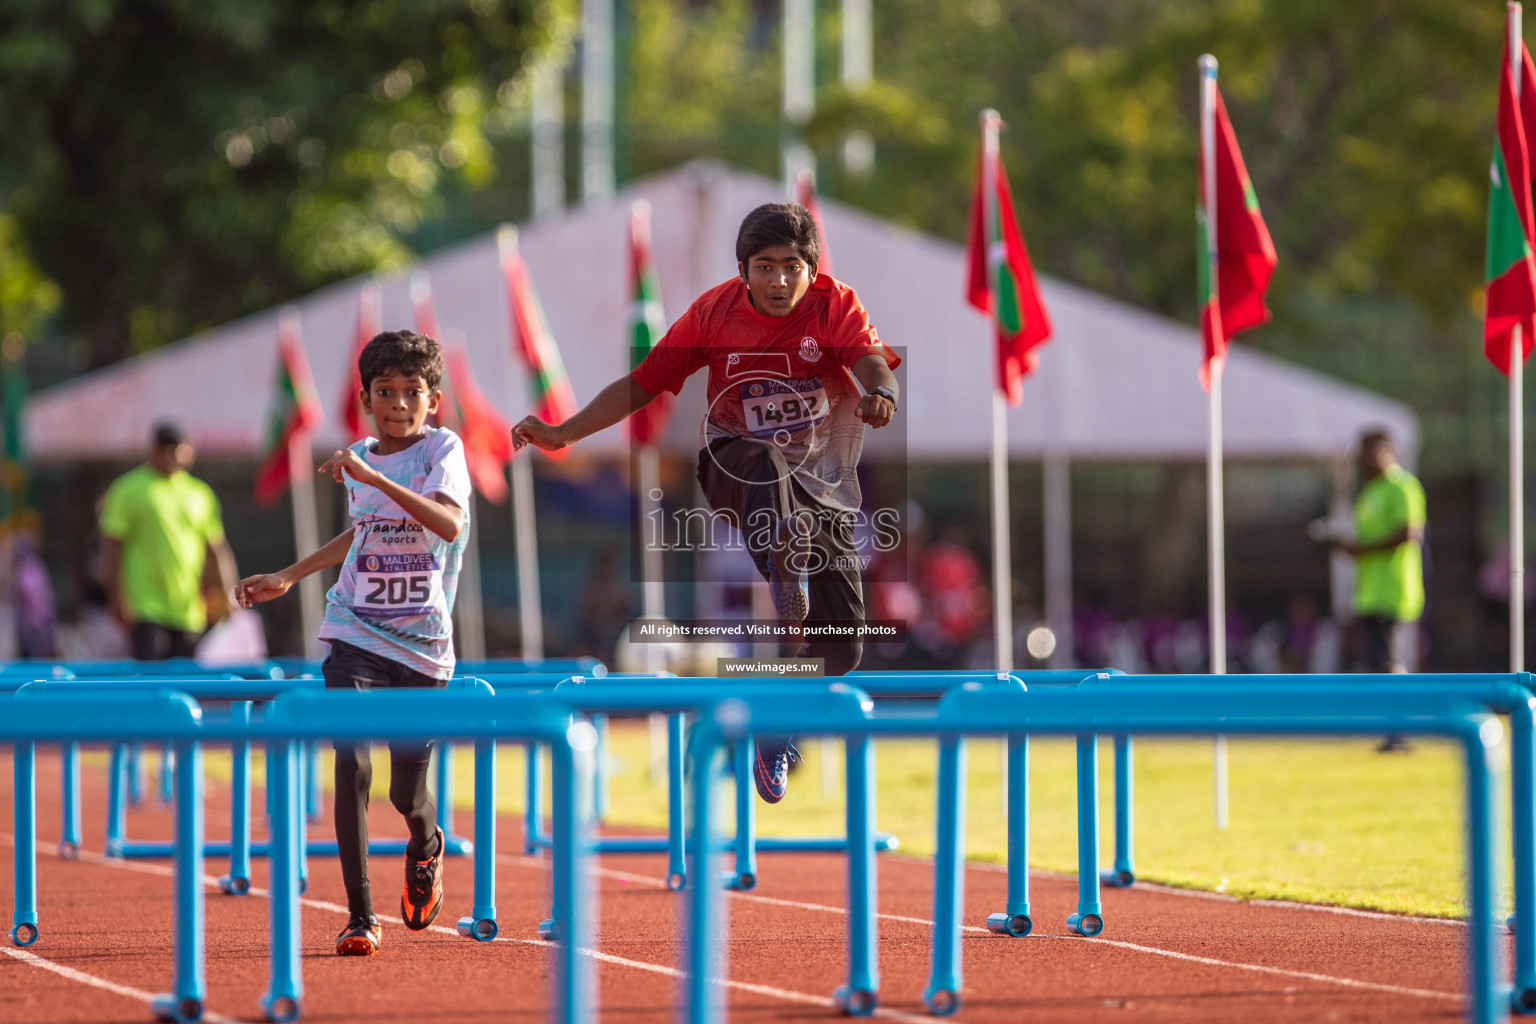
(553, 401)
(295, 412)
(1001, 280)
(370, 321)
(1510, 269)
(1244, 257)
(805, 195)
(487, 437)
(647, 323)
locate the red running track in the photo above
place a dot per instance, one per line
(105, 944)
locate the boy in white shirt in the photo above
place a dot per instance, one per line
(389, 618)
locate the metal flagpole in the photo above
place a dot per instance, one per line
(653, 603)
(529, 609)
(1002, 576)
(1516, 428)
(306, 536)
(548, 142)
(799, 89)
(596, 99)
(1002, 579)
(858, 70)
(1215, 515)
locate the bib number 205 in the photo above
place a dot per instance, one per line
(396, 590)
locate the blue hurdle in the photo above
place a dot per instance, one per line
(241, 694)
(30, 719)
(307, 716)
(993, 711)
(1505, 693)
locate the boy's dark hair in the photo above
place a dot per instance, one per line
(407, 353)
(779, 224)
(1376, 437)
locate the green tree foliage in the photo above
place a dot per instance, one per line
(175, 164)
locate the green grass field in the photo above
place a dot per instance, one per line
(1326, 821)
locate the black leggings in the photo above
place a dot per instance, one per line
(352, 668)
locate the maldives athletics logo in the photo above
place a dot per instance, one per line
(371, 563)
(809, 350)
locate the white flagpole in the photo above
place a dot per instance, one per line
(306, 524)
(529, 608)
(1002, 577)
(1516, 428)
(530, 611)
(1217, 530)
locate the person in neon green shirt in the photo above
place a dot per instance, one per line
(1389, 559)
(166, 562)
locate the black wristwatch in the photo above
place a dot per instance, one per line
(885, 393)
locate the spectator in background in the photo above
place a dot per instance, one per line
(1389, 560)
(166, 565)
(32, 595)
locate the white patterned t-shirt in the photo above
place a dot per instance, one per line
(395, 594)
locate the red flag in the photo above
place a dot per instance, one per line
(553, 401)
(370, 321)
(647, 323)
(1001, 280)
(295, 411)
(1509, 268)
(487, 437)
(805, 195)
(1245, 255)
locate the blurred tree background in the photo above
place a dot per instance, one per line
(169, 165)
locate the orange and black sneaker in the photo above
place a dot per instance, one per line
(423, 895)
(361, 937)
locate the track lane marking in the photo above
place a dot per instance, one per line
(127, 991)
(1374, 986)
(526, 861)
(211, 882)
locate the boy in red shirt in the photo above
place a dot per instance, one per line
(779, 450)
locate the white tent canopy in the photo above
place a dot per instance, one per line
(1114, 383)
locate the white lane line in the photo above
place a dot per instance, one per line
(625, 876)
(1374, 986)
(785, 995)
(827, 909)
(1222, 897)
(127, 991)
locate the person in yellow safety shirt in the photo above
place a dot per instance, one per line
(167, 566)
(1389, 559)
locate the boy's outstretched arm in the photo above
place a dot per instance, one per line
(437, 514)
(616, 401)
(256, 589)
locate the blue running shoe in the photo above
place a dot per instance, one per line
(770, 769)
(788, 579)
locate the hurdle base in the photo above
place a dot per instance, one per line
(237, 885)
(280, 1009)
(548, 932)
(1522, 1000)
(742, 881)
(1015, 926)
(181, 1009)
(24, 934)
(1086, 925)
(69, 850)
(942, 1002)
(481, 926)
(1120, 878)
(859, 1002)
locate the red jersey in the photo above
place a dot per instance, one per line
(783, 379)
